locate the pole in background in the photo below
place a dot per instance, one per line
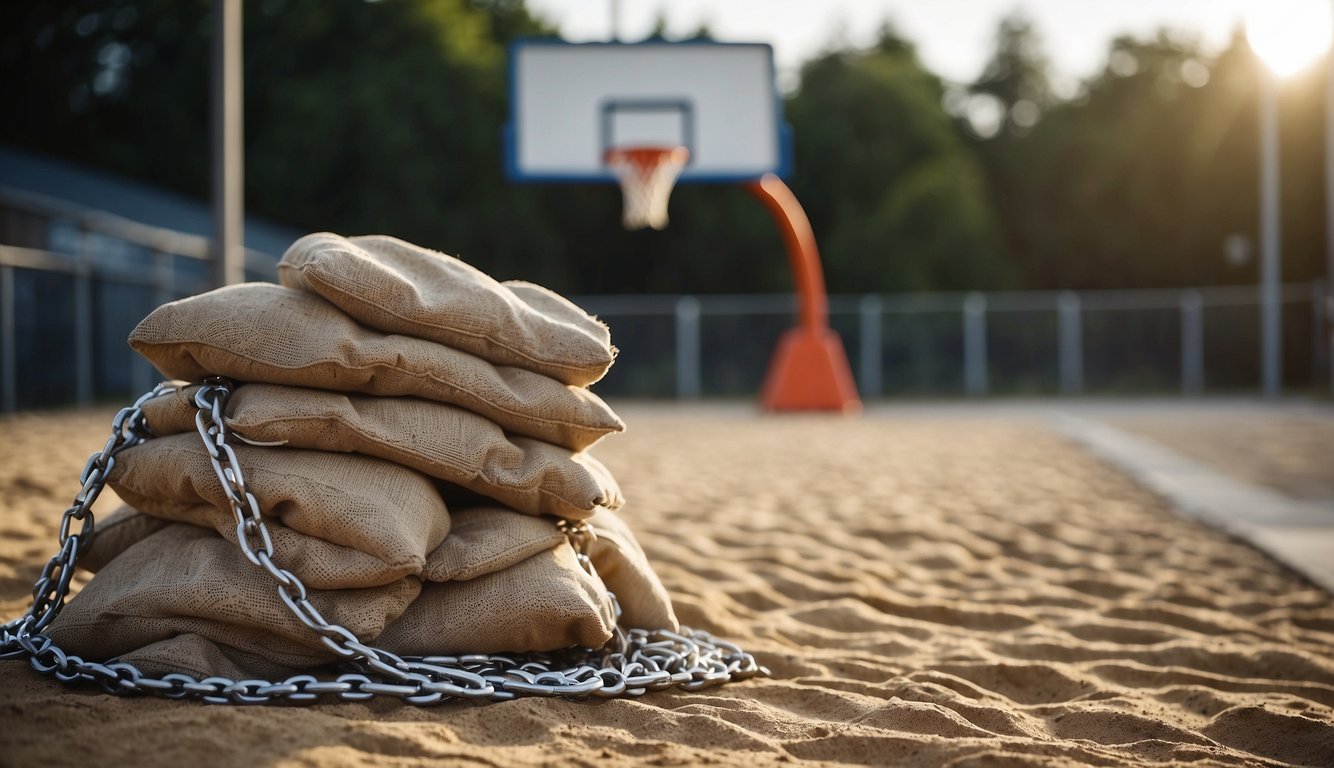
(1329, 213)
(870, 313)
(809, 370)
(1071, 343)
(616, 21)
(687, 348)
(9, 379)
(975, 376)
(1278, 52)
(1192, 342)
(228, 146)
(1271, 328)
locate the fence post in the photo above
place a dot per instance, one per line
(8, 355)
(83, 321)
(975, 378)
(1329, 326)
(1192, 343)
(1319, 364)
(869, 372)
(1071, 343)
(687, 348)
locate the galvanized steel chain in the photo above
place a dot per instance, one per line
(633, 662)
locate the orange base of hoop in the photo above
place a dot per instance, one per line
(810, 372)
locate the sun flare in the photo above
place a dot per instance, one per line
(1289, 34)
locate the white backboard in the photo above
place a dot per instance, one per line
(570, 103)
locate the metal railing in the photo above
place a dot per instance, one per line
(64, 317)
(863, 320)
(86, 270)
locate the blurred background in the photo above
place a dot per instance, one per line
(1011, 198)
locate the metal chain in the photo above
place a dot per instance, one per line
(632, 662)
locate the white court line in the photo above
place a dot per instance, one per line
(1296, 533)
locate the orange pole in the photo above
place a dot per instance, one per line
(809, 370)
(801, 250)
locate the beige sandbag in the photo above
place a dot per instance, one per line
(398, 287)
(115, 533)
(201, 657)
(342, 520)
(622, 565)
(542, 603)
(188, 580)
(440, 440)
(487, 539)
(490, 539)
(257, 332)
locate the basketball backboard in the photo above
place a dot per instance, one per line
(573, 102)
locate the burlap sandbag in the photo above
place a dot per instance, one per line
(257, 332)
(490, 540)
(524, 591)
(503, 581)
(622, 565)
(188, 580)
(481, 540)
(544, 602)
(116, 532)
(440, 440)
(339, 520)
(398, 287)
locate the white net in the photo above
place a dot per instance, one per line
(646, 175)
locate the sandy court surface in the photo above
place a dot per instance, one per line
(957, 591)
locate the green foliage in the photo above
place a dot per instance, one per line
(1138, 181)
(895, 197)
(385, 116)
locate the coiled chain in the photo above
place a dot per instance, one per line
(633, 661)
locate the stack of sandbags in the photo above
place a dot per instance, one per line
(413, 432)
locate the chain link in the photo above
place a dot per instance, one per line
(633, 662)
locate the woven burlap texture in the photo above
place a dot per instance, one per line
(515, 585)
(398, 287)
(342, 521)
(188, 580)
(116, 532)
(621, 563)
(256, 332)
(439, 440)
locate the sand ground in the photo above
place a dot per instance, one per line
(953, 591)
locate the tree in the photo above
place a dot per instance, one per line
(896, 199)
(1017, 77)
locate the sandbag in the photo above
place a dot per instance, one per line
(116, 532)
(439, 440)
(397, 287)
(623, 566)
(256, 332)
(338, 520)
(523, 592)
(188, 580)
(542, 603)
(349, 438)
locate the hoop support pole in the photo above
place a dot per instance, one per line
(809, 370)
(813, 303)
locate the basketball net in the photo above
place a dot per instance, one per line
(646, 175)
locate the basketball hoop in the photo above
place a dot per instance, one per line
(646, 175)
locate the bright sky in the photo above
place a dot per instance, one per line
(954, 37)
